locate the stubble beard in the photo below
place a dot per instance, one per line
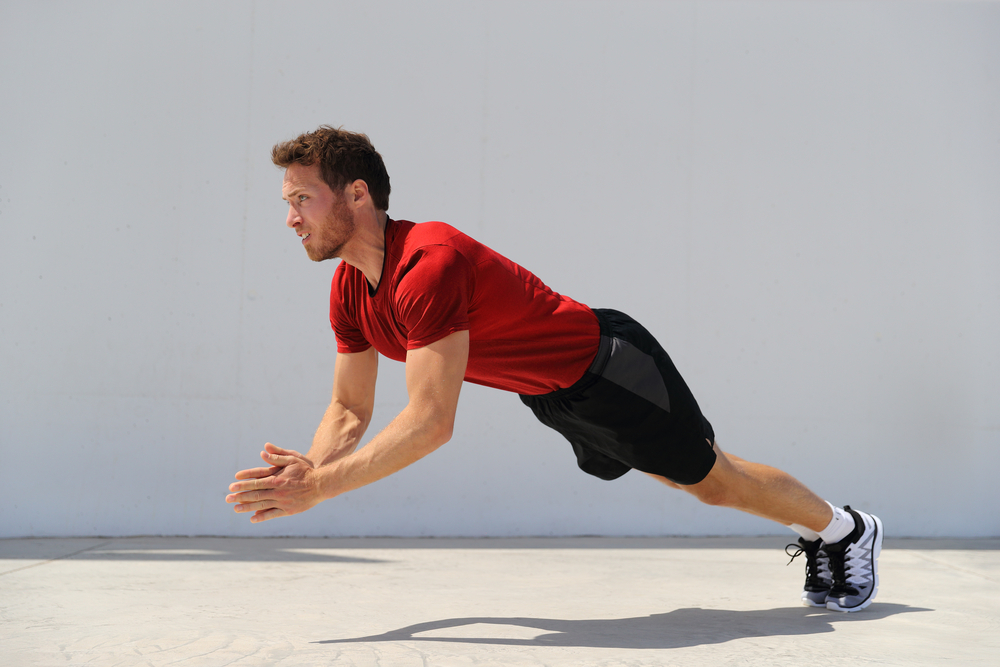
(339, 222)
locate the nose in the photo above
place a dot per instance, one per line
(293, 217)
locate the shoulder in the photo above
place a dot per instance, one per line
(433, 264)
(417, 235)
(346, 286)
(343, 274)
(429, 244)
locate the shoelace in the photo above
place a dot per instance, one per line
(798, 552)
(812, 562)
(839, 574)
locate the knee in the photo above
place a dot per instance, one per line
(711, 493)
(723, 484)
(663, 480)
(708, 491)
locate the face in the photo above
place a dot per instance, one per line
(320, 216)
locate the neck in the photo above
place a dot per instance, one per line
(366, 249)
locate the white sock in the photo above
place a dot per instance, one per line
(807, 534)
(840, 526)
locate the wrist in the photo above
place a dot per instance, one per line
(327, 476)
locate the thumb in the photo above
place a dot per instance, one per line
(274, 449)
(276, 456)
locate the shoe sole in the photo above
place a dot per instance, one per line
(876, 551)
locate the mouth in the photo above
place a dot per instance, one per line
(304, 237)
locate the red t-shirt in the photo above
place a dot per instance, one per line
(523, 337)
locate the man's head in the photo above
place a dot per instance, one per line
(343, 158)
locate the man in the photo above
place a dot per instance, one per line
(454, 310)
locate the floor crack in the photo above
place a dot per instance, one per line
(52, 560)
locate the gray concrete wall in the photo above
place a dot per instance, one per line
(800, 199)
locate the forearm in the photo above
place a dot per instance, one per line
(293, 483)
(408, 438)
(338, 434)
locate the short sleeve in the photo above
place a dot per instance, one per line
(433, 295)
(349, 335)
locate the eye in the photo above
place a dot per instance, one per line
(302, 198)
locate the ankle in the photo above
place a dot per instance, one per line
(807, 534)
(840, 526)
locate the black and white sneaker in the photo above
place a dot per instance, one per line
(854, 564)
(818, 578)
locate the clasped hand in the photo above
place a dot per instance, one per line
(288, 486)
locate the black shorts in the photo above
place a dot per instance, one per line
(631, 409)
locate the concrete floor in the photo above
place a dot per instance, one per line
(504, 602)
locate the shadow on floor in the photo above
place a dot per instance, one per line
(676, 629)
(204, 549)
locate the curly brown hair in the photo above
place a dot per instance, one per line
(343, 157)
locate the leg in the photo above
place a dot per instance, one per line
(842, 575)
(758, 489)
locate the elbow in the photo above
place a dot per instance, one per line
(432, 425)
(445, 429)
(440, 428)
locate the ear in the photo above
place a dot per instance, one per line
(357, 193)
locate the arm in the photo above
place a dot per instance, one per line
(350, 410)
(343, 425)
(434, 376)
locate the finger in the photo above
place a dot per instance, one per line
(255, 484)
(247, 497)
(280, 460)
(250, 505)
(253, 473)
(274, 449)
(264, 515)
